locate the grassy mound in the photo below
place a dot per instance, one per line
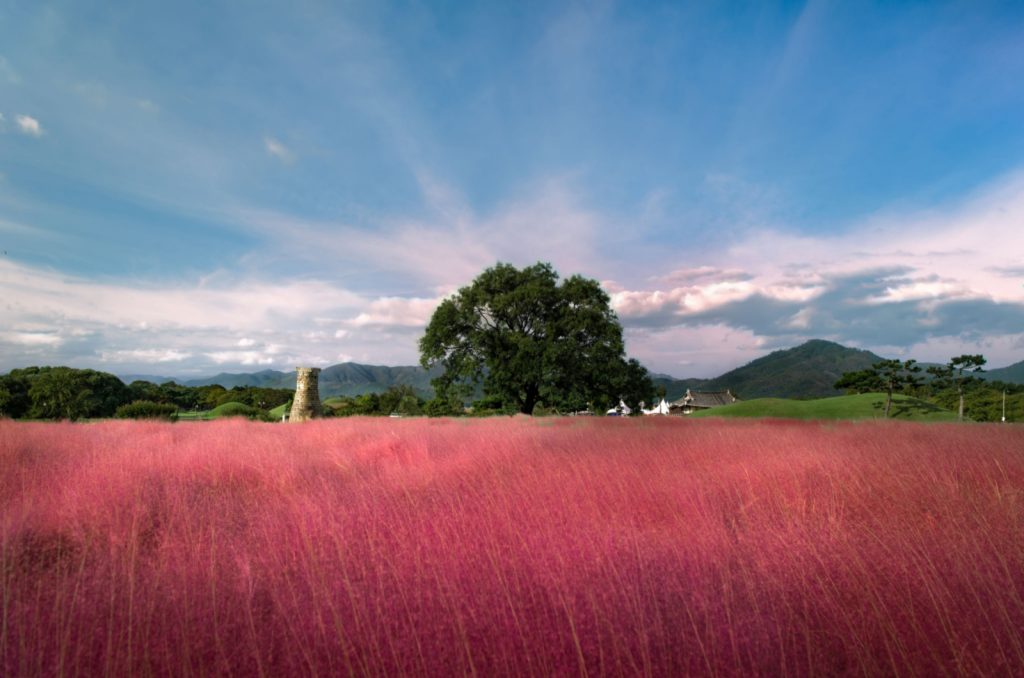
(280, 410)
(234, 409)
(862, 406)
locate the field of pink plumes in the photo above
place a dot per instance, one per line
(511, 547)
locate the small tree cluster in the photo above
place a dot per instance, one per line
(893, 376)
(958, 373)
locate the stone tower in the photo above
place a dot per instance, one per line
(306, 405)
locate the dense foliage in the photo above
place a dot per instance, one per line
(60, 393)
(529, 339)
(69, 393)
(591, 546)
(399, 400)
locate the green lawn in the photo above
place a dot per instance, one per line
(190, 415)
(862, 406)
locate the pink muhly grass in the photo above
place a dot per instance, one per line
(511, 547)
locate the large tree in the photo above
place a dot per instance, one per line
(528, 338)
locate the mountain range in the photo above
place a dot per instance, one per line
(344, 379)
(805, 371)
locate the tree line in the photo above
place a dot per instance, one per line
(954, 385)
(70, 393)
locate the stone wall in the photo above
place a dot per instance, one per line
(306, 404)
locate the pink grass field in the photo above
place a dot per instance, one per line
(511, 547)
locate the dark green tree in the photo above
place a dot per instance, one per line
(860, 381)
(16, 383)
(958, 373)
(68, 393)
(887, 376)
(6, 398)
(896, 376)
(55, 396)
(400, 399)
(528, 339)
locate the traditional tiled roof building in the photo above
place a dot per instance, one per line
(701, 400)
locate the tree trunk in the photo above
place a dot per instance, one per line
(960, 412)
(530, 401)
(888, 403)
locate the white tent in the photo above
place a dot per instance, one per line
(623, 409)
(662, 408)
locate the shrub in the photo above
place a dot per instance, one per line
(541, 410)
(146, 409)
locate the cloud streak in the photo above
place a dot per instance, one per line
(278, 150)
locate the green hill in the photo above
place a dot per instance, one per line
(263, 379)
(862, 406)
(806, 371)
(233, 409)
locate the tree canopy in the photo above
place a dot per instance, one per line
(529, 339)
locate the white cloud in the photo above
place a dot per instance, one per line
(937, 256)
(278, 150)
(700, 351)
(145, 355)
(31, 338)
(228, 324)
(247, 358)
(28, 125)
(397, 312)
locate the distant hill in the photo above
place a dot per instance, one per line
(1011, 374)
(807, 371)
(151, 378)
(355, 379)
(676, 388)
(262, 379)
(347, 379)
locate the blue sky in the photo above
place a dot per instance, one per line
(197, 187)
